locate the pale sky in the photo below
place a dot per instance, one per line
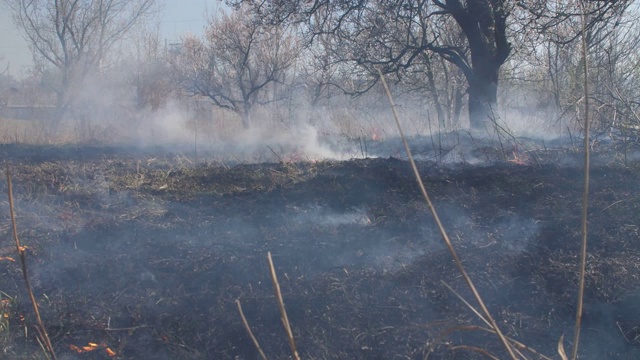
(177, 17)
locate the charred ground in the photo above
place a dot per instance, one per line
(147, 253)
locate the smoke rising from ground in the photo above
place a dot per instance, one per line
(333, 134)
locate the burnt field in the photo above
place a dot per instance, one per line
(145, 253)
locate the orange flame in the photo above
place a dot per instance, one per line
(522, 160)
(91, 347)
(375, 134)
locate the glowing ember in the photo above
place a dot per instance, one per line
(518, 159)
(92, 347)
(375, 134)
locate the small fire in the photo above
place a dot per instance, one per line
(91, 346)
(520, 160)
(375, 134)
(8, 258)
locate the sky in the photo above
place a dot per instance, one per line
(176, 18)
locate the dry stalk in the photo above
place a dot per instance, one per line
(41, 343)
(464, 301)
(23, 263)
(561, 351)
(275, 153)
(283, 312)
(515, 343)
(475, 349)
(441, 228)
(248, 328)
(585, 192)
(508, 134)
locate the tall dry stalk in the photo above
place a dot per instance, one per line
(283, 312)
(42, 331)
(248, 328)
(441, 228)
(585, 192)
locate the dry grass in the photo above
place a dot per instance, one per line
(201, 127)
(38, 132)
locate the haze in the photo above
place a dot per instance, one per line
(176, 18)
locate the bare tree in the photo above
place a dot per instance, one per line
(8, 87)
(318, 71)
(6, 69)
(152, 80)
(236, 62)
(75, 36)
(554, 68)
(394, 35)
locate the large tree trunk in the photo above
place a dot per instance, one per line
(246, 116)
(483, 23)
(483, 92)
(456, 107)
(434, 92)
(62, 106)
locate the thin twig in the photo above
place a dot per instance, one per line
(441, 228)
(248, 328)
(283, 312)
(23, 263)
(585, 192)
(275, 153)
(516, 344)
(130, 328)
(473, 309)
(476, 349)
(513, 138)
(612, 205)
(622, 332)
(40, 343)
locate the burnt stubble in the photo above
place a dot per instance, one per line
(146, 254)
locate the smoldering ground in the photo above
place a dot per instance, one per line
(148, 253)
(145, 244)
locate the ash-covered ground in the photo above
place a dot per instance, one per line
(145, 251)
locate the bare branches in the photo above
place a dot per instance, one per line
(76, 36)
(552, 19)
(65, 32)
(5, 70)
(236, 61)
(393, 36)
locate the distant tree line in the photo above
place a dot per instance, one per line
(461, 60)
